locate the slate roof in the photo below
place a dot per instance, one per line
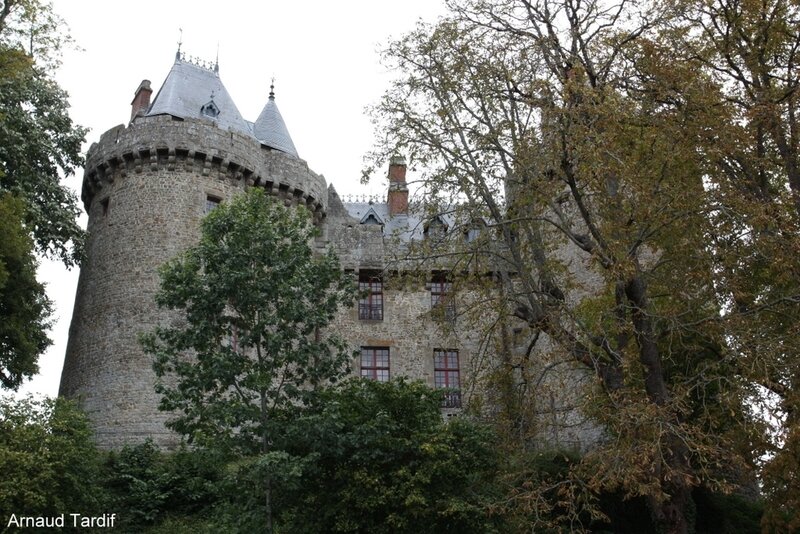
(270, 129)
(188, 88)
(196, 91)
(406, 227)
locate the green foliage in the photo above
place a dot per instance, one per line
(377, 457)
(38, 141)
(363, 456)
(638, 165)
(145, 486)
(48, 461)
(726, 514)
(24, 307)
(255, 297)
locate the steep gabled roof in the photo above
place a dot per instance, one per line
(194, 91)
(270, 129)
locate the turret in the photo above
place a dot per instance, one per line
(146, 188)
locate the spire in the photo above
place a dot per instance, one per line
(270, 129)
(180, 43)
(216, 60)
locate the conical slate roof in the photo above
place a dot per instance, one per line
(194, 91)
(270, 129)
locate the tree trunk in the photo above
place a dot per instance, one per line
(670, 514)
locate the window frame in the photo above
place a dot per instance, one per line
(441, 295)
(212, 202)
(370, 307)
(374, 369)
(442, 367)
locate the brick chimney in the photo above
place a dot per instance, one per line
(141, 100)
(398, 190)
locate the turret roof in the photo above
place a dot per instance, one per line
(270, 129)
(194, 90)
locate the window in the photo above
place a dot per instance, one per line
(441, 296)
(446, 376)
(472, 234)
(370, 306)
(375, 363)
(210, 110)
(435, 229)
(211, 203)
(104, 203)
(371, 219)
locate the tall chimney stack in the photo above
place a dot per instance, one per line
(141, 100)
(398, 190)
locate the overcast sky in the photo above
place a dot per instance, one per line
(323, 55)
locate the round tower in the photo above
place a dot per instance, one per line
(146, 187)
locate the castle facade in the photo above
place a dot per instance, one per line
(147, 186)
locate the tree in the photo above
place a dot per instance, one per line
(49, 464)
(377, 457)
(580, 137)
(24, 307)
(38, 141)
(253, 298)
(753, 48)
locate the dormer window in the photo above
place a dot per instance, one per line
(436, 228)
(371, 219)
(472, 234)
(210, 110)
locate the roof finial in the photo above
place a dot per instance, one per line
(216, 61)
(272, 89)
(180, 42)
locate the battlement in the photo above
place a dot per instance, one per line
(164, 142)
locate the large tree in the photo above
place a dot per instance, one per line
(24, 307)
(251, 299)
(752, 50)
(594, 153)
(39, 145)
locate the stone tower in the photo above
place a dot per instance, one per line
(146, 187)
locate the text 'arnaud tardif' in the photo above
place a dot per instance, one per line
(63, 520)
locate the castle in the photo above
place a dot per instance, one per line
(146, 188)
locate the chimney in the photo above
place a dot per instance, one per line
(141, 100)
(398, 190)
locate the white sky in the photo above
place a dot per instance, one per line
(324, 56)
